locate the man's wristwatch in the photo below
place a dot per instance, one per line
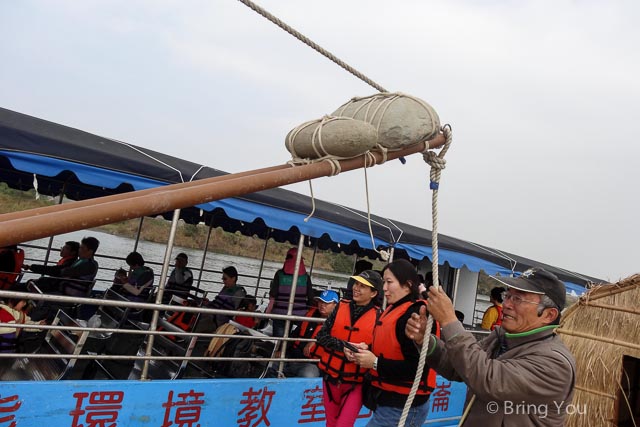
(375, 364)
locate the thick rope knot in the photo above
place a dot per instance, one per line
(382, 150)
(335, 166)
(434, 160)
(369, 159)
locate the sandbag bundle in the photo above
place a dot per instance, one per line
(400, 120)
(389, 120)
(331, 136)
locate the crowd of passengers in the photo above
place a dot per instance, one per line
(366, 354)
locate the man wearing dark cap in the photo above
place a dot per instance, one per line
(521, 374)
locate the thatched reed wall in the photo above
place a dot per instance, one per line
(601, 328)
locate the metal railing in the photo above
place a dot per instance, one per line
(169, 330)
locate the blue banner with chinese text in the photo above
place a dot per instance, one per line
(189, 403)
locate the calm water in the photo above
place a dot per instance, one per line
(113, 250)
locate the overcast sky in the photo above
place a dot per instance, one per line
(543, 98)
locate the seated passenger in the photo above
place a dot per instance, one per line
(180, 281)
(68, 255)
(15, 311)
(327, 302)
(248, 304)
(230, 296)
(78, 278)
(138, 283)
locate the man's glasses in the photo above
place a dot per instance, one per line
(516, 299)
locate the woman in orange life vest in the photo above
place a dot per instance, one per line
(351, 322)
(393, 358)
(493, 316)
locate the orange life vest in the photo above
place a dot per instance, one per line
(182, 319)
(304, 327)
(498, 321)
(64, 260)
(386, 345)
(334, 363)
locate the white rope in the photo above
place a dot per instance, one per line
(311, 44)
(354, 212)
(197, 172)
(497, 252)
(574, 274)
(149, 156)
(371, 158)
(398, 228)
(437, 163)
(313, 203)
(35, 186)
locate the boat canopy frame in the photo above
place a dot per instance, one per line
(62, 160)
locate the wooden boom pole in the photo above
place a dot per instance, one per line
(38, 223)
(124, 196)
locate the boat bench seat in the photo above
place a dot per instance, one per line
(162, 346)
(113, 316)
(59, 342)
(165, 346)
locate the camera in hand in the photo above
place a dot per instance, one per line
(351, 347)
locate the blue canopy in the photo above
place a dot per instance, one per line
(83, 165)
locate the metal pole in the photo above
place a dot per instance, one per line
(264, 253)
(455, 286)
(313, 257)
(292, 296)
(138, 233)
(204, 253)
(46, 257)
(163, 279)
(73, 217)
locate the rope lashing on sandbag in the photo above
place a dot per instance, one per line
(370, 115)
(331, 137)
(399, 119)
(437, 163)
(311, 44)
